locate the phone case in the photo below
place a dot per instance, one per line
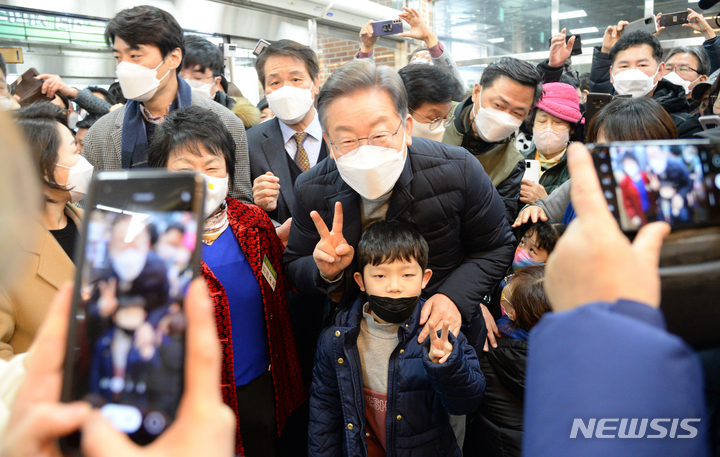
(674, 19)
(28, 88)
(532, 171)
(390, 27)
(646, 24)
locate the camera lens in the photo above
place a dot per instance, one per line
(604, 167)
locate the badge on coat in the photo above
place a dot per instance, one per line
(269, 272)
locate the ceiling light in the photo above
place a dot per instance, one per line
(591, 41)
(584, 30)
(573, 14)
(496, 40)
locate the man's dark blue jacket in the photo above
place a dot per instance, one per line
(420, 393)
(614, 363)
(445, 193)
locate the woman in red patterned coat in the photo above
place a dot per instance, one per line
(242, 265)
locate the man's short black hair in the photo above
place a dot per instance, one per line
(634, 39)
(428, 84)
(199, 51)
(116, 91)
(288, 48)
(388, 241)
(146, 25)
(110, 98)
(521, 71)
(192, 129)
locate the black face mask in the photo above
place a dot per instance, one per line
(393, 310)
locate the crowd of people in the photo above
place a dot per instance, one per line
(379, 274)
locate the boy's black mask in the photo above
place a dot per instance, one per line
(393, 310)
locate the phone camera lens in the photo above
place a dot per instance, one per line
(609, 194)
(602, 155)
(716, 161)
(185, 196)
(611, 207)
(606, 181)
(604, 168)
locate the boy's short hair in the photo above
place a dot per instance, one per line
(192, 128)
(548, 234)
(388, 241)
(199, 51)
(146, 25)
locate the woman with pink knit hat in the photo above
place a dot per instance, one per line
(554, 120)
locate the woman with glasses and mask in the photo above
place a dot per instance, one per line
(553, 123)
(49, 245)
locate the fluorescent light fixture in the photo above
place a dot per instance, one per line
(592, 41)
(499, 40)
(573, 14)
(693, 1)
(584, 30)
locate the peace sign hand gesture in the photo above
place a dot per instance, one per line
(332, 254)
(440, 347)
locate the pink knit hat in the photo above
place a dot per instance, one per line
(562, 101)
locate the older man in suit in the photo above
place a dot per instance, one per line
(291, 142)
(148, 60)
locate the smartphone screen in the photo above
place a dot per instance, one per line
(127, 341)
(675, 182)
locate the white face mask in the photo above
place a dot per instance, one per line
(215, 192)
(290, 104)
(79, 179)
(493, 125)
(549, 140)
(137, 82)
(634, 82)
(371, 170)
(73, 119)
(129, 263)
(200, 88)
(678, 81)
(421, 130)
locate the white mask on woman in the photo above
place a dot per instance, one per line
(290, 104)
(550, 141)
(634, 82)
(371, 170)
(79, 179)
(493, 125)
(216, 189)
(138, 82)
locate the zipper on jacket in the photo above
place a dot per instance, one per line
(391, 410)
(353, 360)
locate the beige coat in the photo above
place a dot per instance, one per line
(24, 305)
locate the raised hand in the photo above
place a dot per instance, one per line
(332, 254)
(612, 34)
(108, 302)
(439, 308)
(367, 39)
(54, 83)
(440, 347)
(697, 22)
(559, 50)
(266, 190)
(418, 27)
(531, 213)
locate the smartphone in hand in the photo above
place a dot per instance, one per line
(389, 27)
(139, 250)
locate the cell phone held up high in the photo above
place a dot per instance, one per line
(577, 45)
(389, 27)
(670, 19)
(139, 250)
(28, 88)
(646, 24)
(669, 180)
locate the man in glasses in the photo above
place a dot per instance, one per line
(687, 66)
(378, 171)
(430, 90)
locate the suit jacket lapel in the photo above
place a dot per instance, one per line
(274, 150)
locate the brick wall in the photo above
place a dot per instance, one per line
(335, 52)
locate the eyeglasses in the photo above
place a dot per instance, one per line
(435, 123)
(383, 139)
(678, 69)
(502, 297)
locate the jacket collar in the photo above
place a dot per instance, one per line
(54, 266)
(349, 321)
(671, 96)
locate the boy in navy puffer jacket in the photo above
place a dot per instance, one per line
(376, 391)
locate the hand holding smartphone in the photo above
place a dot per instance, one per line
(532, 171)
(126, 345)
(389, 27)
(28, 88)
(673, 181)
